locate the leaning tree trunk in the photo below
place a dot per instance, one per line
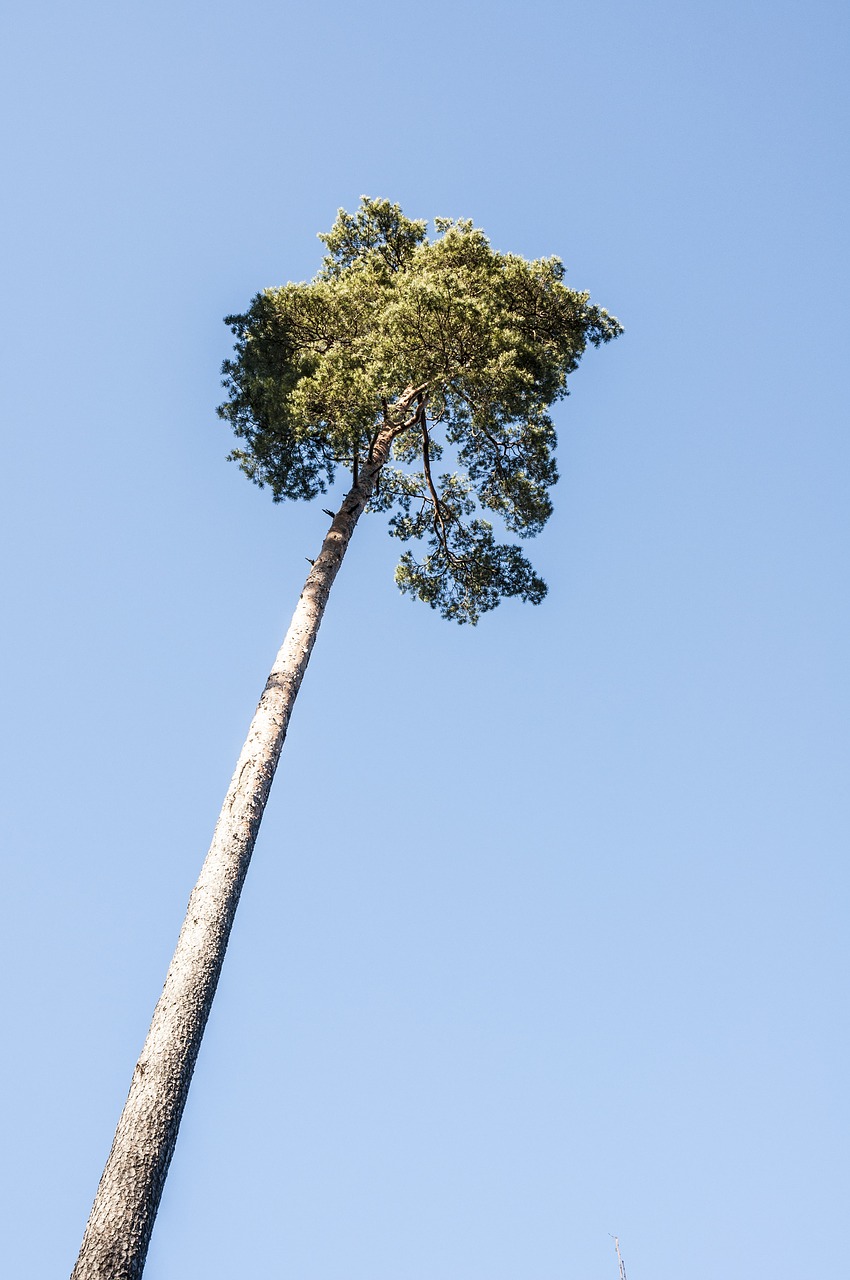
(116, 1239)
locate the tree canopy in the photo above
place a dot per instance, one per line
(460, 350)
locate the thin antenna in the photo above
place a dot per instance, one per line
(616, 1240)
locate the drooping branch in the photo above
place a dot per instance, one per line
(439, 520)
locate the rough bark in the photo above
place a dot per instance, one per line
(116, 1239)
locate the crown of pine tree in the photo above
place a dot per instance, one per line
(486, 340)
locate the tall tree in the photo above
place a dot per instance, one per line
(403, 350)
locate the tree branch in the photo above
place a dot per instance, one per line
(442, 532)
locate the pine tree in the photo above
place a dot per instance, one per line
(402, 352)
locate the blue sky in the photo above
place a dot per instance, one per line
(545, 934)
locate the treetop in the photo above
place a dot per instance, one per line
(449, 345)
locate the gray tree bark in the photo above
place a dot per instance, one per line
(119, 1228)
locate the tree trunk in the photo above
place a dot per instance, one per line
(116, 1239)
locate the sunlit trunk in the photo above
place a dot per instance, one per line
(116, 1239)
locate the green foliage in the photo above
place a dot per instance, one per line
(487, 341)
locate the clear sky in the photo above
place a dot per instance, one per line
(546, 931)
